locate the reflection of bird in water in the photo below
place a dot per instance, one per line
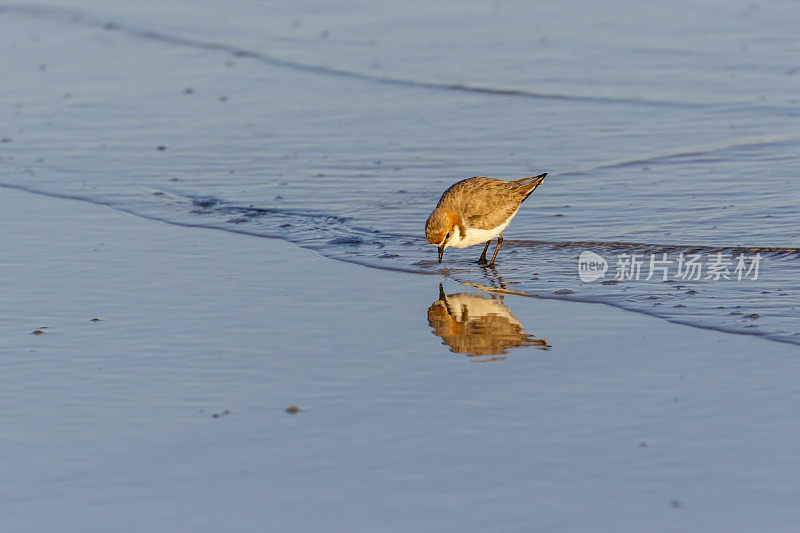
(475, 325)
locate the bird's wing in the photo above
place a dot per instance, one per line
(490, 203)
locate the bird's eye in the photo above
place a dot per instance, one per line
(446, 237)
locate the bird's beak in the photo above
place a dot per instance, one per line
(441, 251)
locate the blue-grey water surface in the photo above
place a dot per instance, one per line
(665, 128)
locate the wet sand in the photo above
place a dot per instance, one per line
(170, 411)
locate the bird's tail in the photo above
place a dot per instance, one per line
(528, 185)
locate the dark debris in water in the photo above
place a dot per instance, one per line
(206, 202)
(252, 211)
(347, 241)
(564, 291)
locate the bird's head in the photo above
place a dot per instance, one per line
(439, 229)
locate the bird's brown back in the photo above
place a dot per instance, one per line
(486, 203)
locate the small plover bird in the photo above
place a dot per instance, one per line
(477, 210)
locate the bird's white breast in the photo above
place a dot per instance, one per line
(475, 235)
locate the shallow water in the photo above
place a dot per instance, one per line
(663, 130)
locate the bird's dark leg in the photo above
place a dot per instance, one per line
(499, 243)
(482, 258)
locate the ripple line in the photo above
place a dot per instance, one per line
(659, 248)
(744, 142)
(215, 206)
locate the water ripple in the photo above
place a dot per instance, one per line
(70, 16)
